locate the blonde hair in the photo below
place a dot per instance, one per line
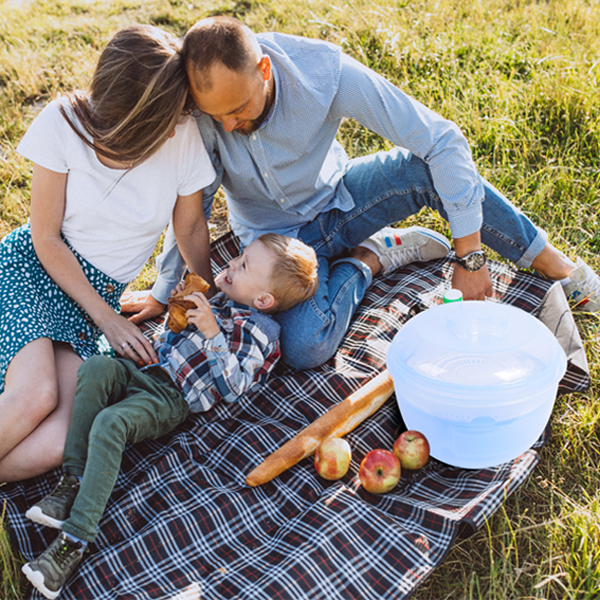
(294, 278)
(136, 98)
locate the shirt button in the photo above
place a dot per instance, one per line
(82, 336)
(254, 137)
(110, 288)
(266, 174)
(282, 201)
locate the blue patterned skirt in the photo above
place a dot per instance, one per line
(32, 306)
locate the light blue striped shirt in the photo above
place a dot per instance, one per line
(290, 170)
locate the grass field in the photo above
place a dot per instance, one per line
(521, 80)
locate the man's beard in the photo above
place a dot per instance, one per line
(256, 123)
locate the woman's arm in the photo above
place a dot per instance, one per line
(193, 238)
(48, 189)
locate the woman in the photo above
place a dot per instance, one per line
(111, 167)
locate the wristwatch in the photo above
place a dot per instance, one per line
(472, 262)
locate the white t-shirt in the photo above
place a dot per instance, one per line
(114, 217)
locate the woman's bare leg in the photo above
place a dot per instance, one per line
(42, 449)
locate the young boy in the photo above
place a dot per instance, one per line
(228, 348)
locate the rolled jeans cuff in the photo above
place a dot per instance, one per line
(534, 250)
(361, 266)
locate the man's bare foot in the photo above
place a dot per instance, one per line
(552, 263)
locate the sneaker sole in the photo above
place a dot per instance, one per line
(36, 515)
(37, 580)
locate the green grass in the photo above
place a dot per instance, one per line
(521, 78)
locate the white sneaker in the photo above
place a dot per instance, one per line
(398, 247)
(583, 292)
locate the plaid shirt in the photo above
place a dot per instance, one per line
(227, 366)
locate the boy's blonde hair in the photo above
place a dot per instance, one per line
(294, 278)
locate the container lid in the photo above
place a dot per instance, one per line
(452, 295)
(469, 348)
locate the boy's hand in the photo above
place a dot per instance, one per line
(202, 316)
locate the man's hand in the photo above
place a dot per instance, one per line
(142, 306)
(474, 285)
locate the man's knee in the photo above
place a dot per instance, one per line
(299, 354)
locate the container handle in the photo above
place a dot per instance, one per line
(463, 326)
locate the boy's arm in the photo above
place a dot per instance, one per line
(233, 371)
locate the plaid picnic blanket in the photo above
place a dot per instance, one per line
(181, 523)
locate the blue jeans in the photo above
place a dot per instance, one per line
(387, 187)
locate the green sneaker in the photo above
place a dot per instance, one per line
(54, 509)
(51, 569)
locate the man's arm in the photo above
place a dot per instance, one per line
(190, 220)
(475, 285)
(149, 304)
(380, 106)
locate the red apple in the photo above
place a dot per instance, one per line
(332, 458)
(412, 450)
(379, 471)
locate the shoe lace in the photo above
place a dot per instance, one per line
(63, 552)
(592, 282)
(405, 255)
(63, 488)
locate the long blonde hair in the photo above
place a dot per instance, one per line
(137, 95)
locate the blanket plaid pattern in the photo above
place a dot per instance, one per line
(182, 524)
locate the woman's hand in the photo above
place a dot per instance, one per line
(127, 340)
(202, 316)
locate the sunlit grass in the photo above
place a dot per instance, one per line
(521, 79)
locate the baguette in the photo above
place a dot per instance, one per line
(336, 422)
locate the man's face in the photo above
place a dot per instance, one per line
(248, 276)
(240, 101)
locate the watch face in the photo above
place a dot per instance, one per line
(473, 261)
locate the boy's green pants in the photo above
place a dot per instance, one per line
(115, 403)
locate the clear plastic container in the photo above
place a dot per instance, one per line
(479, 379)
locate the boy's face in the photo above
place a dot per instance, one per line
(247, 279)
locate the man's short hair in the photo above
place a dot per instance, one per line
(294, 278)
(223, 40)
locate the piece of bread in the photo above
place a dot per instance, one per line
(336, 422)
(178, 307)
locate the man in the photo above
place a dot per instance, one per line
(270, 107)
